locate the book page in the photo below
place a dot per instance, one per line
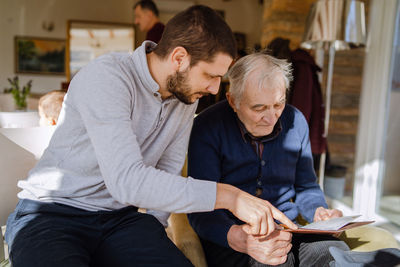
(331, 224)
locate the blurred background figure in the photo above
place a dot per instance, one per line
(305, 93)
(49, 107)
(146, 17)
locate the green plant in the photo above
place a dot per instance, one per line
(19, 94)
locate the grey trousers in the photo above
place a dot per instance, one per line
(308, 250)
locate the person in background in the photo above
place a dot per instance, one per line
(120, 145)
(146, 16)
(259, 144)
(49, 107)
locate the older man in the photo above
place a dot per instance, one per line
(146, 17)
(259, 144)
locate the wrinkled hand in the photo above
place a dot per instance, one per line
(322, 214)
(258, 214)
(271, 249)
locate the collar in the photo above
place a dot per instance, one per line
(247, 136)
(142, 68)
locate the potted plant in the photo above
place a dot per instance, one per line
(19, 94)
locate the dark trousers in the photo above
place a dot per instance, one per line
(307, 250)
(50, 234)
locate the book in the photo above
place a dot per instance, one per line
(331, 226)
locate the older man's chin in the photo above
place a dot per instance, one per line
(265, 131)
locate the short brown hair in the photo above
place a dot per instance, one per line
(149, 5)
(50, 104)
(201, 31)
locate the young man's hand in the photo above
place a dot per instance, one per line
(322, 214)
(258, 214)
(271, 249)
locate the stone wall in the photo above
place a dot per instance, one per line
(286, 18)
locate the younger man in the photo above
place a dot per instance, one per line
(120, 144)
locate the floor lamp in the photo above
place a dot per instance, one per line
(333, 25)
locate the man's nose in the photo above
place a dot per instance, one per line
(269, 116)
(214, 86)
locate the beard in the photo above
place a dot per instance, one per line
(178, 86)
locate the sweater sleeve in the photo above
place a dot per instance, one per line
(204, 162)
(309, 195)
(101, 94)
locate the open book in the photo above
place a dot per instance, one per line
(331, 226)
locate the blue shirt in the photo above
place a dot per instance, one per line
(218, 152)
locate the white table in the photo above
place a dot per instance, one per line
(19, 119)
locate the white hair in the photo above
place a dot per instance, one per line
(261, 67)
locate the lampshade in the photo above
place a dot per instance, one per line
(337, 22)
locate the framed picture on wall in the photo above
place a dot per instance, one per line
(36, 55)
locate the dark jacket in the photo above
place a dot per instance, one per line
(155, 33)
(306, 95)
(218, 152)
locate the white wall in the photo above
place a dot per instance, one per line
(242, 16)
(25, 18)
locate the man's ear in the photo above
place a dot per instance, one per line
(180, 58)
(231, 100)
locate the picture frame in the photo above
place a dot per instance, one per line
(38, 55)
(87, 40)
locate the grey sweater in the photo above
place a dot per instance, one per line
(118, 143)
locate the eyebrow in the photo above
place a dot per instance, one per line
(258, 105)
(214, 75)
(282, 100)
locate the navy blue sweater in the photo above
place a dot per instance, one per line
(218, 152)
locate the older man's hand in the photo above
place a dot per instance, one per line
(322, 214)
(271, 249)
